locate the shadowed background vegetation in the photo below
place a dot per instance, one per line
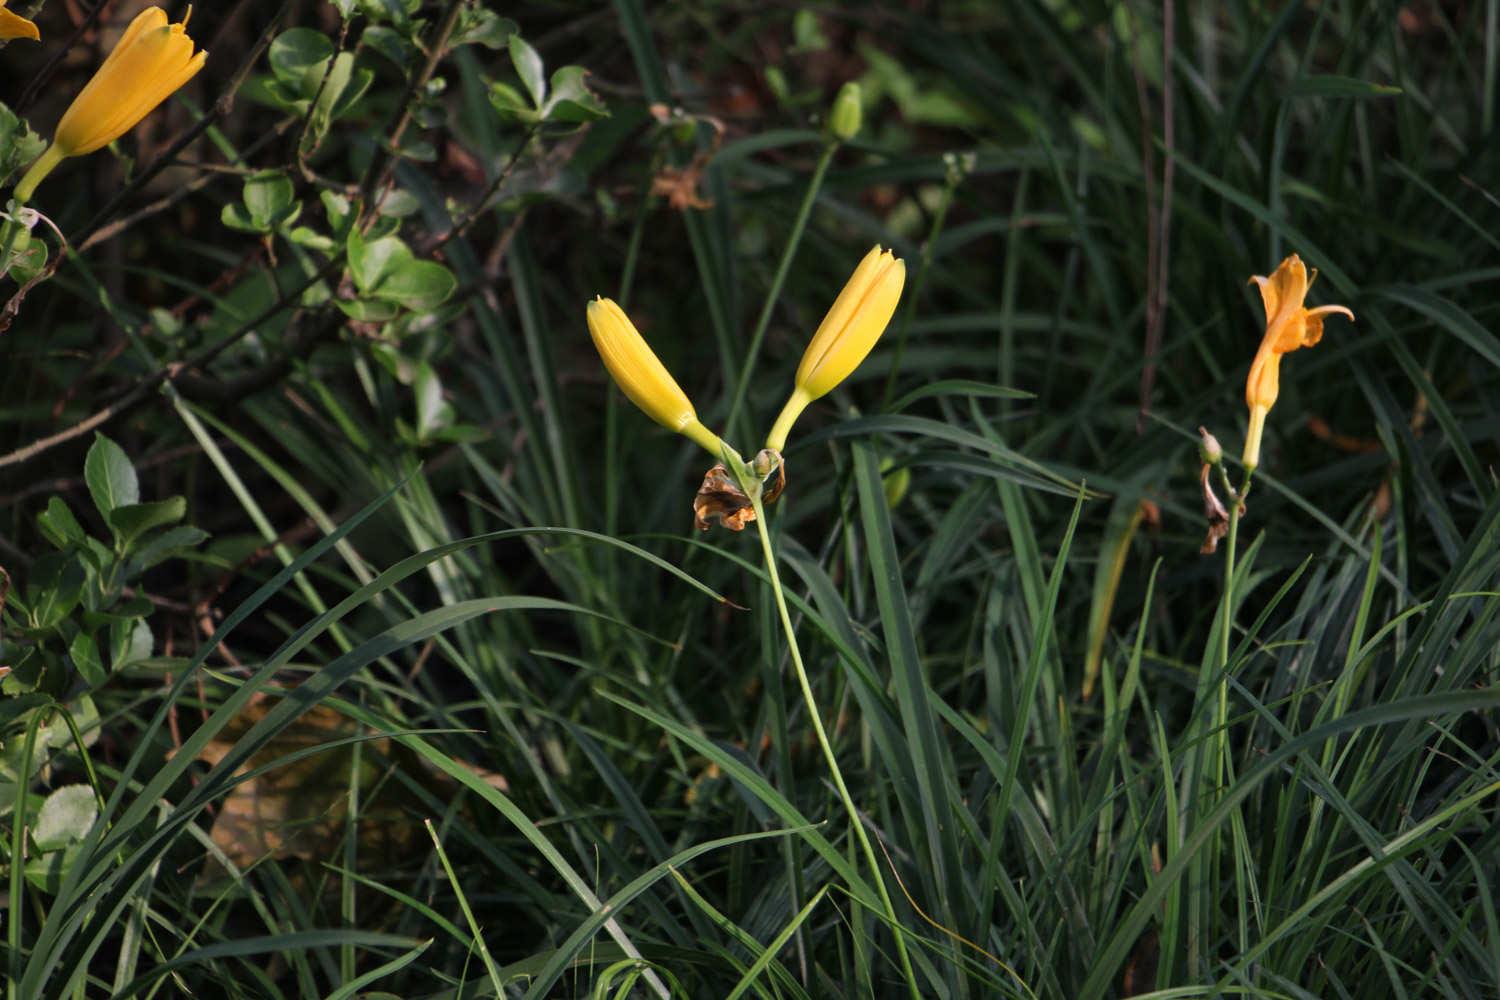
(371, 647)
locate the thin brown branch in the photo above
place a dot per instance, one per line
(97, 419)
(69, 484)
(461, 225)
(381, 166)
(44, 75)
(204, 389)
(298, 155)
(142, 388)
(113, 229)
(220, 109)
(1158, 212)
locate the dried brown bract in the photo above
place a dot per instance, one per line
(679, 185)
(771, 467)
(721, 499)
(1213, 509)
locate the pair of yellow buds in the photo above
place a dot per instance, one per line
(1289, 326)
(149, 62)
(847, 334)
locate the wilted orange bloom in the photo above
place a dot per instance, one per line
(1289, 326)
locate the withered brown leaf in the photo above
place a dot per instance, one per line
(1213, 509)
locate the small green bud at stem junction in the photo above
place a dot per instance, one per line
(1208, 448)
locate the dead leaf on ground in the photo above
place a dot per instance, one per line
(300, 809)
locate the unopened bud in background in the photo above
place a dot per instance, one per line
(894, 482)
(848, 111)
(1208, 448)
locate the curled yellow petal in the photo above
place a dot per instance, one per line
(16, 26)
(150, 61)
(846, 336)
(1290, 326)
(641, 375)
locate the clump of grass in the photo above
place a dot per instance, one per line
(438, 521)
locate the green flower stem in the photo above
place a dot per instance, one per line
(10, 229)
(752, 488)
(1230, 541)
(1221, 717)
(747, 368)
(1221, 708)
(1216, 775)
(49, 159)
(795, 404)
(708, 440)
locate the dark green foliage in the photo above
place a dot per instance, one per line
(368, 460)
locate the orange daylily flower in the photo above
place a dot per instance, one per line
(147, 65)
(16, 26)
(1289, 326)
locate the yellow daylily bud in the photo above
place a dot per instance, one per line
(1289, 327)
(847, 334)
(16, 26)
(149, 62)
(641, 375)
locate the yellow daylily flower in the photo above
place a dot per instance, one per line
(150, 61)
(1289, 326)
(641, 375)
(16, 26)
(847, 334)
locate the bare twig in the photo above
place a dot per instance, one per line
(1158, 213)
(381, 166)
(204, 389)
(312, 107)
(113, 229)
(461, 225)
(141, 389)
(44, 75)
(96, 419)
(68, 484)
